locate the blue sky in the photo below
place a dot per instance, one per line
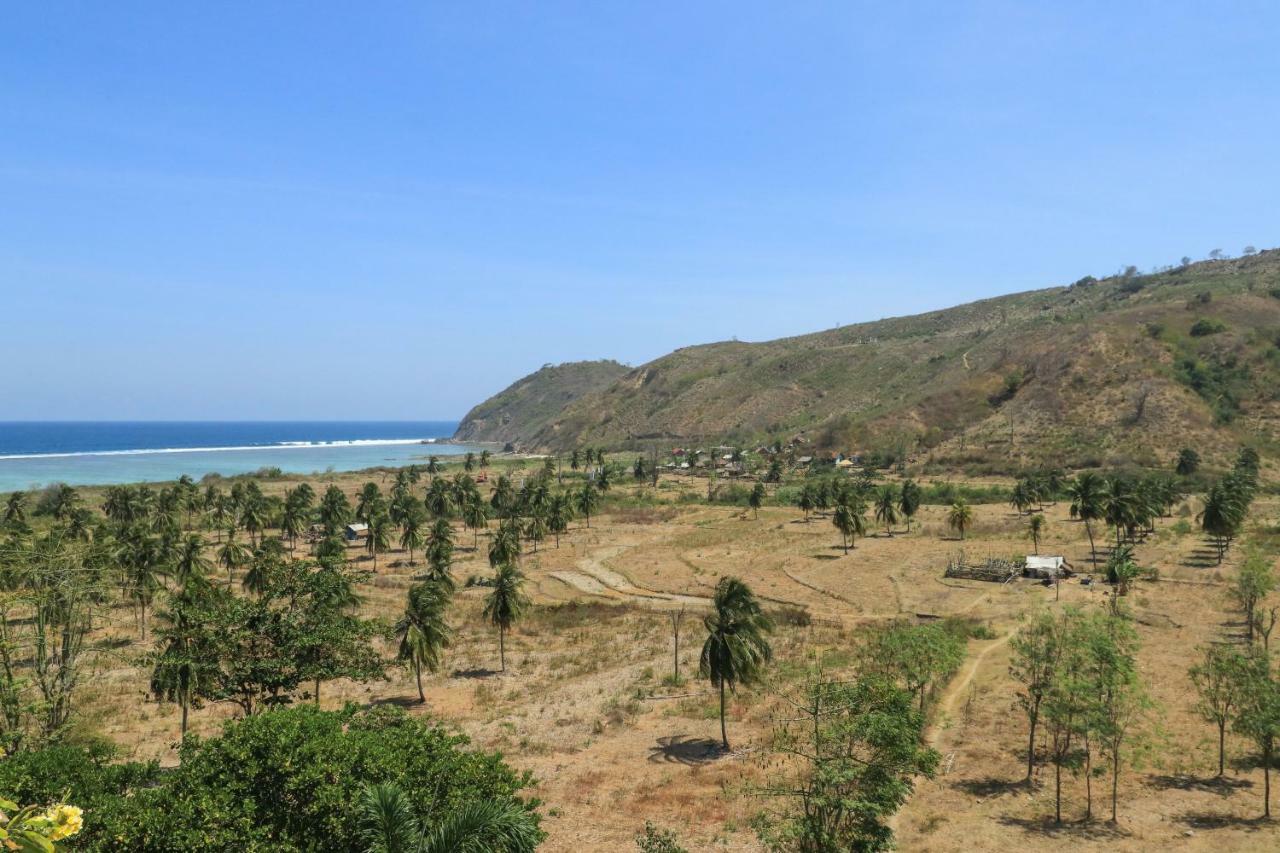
(392, 210)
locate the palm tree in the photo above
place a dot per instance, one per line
(440, 553)
(232, 555)
(485, 456)
(736, 649)
(1035, 527)
(808, 500)
(370, 503)
(960, 516)
(15, 508)
(423, 632)
(849, 521)
(433, 465)
(756, 499)
(469, 463)
(575, 459)
(504, 547)
(335, 510)
(1086, 493)
(505, 604)
(887, 508)
(411, 533)
(475, 514)
(191, 559)
(588, 500)
(559, 514)
(388, 825)
(379, 538)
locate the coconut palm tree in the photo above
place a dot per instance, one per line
(887, 508)
(504, 547)
(440, 553)
(850, 522)
(191, 559)
(232, 555)
(505, 604)
(379, 538)
(559, 514)
(736, 649)
(475, 514)
(176, 675)
(369, 503)
(388, 824)
(485, 456)
(422, 630)
(411, 535)
(1086, 493)
(960, 516)
(587, 501)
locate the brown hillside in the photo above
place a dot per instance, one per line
(1123, 369)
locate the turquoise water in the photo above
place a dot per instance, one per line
(35, 454)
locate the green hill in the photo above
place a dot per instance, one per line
(1123, 370)
(534, 401)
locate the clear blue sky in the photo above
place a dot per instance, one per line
(312, 210)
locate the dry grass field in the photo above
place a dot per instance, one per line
(588, 706)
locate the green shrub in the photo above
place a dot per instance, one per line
(282, 780)
(1206, 326)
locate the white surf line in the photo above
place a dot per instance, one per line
(290, 445)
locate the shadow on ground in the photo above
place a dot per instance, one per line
(1223, 787)
(682, 749)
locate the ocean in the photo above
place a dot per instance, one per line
(34, 454)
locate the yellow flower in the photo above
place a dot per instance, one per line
(67, 821)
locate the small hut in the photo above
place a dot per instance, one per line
(356, 532)
(1047, 568)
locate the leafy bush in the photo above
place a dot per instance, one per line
(655, 840)
(1206, 326)
(283, 780)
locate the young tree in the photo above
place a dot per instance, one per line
(756, 499)
(379, 538)
(677, 617)
(858, 747)
(808, 500)
(1253, 583)
(505, 604)
(422, 630)
(1035, 529)
(737, 646)
(1258, 717)
(1035, 654)
(918, 657)
(1188, 462)
(1219, 682)
(909, 497)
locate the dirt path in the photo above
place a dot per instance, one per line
(946, 703)
(595, 578)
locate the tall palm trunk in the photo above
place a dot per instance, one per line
(724, 733)
(417, 674)
(502, 648)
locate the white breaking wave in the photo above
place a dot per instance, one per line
(284, 445)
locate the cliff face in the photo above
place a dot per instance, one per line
(525, 406)
(1129, 368)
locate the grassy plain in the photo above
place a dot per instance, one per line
(588, 705)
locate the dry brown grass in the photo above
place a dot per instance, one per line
(583, 704)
